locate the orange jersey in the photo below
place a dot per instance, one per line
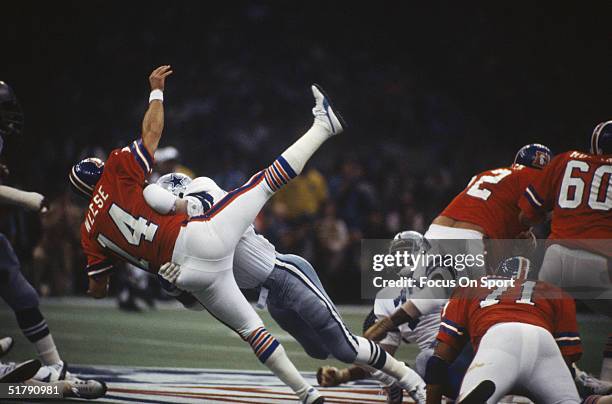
(119, 224)
(491, 201)
(470, 312)
(577, 188)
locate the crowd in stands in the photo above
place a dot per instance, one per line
(240, 94)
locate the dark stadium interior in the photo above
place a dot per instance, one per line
(432, 94)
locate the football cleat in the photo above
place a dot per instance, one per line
(394, 393)
(84, 176)
(6, 344)
(533, 155)
(589, 385)
(52, 373)
(601, 139)
(18, 372)
(324, 113)
(87, 389)
(313, 397)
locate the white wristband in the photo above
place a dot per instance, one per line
(156, 94)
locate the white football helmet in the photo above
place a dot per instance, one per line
(175, 182)
(413, 243)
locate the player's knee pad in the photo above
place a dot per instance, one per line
(32, 323)
(480, 394)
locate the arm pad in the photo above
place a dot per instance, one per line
(14, 196)
(159, 199)
(437, 371)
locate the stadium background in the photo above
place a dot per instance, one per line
(433, 93)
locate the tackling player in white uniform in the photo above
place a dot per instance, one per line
(289, 287)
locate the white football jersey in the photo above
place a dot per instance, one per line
(424, 334)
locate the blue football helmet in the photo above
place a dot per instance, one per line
(601, 139)
(11, 117)
(175, 183)
(514, 267)
(84, 176)
(533, 155)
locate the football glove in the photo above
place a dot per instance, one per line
(379, 329)
(167, 276)
(329, 376)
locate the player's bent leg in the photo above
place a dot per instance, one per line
(22, 298)
(498, 361)
(224, 301)
(290, 321)
(315, 308)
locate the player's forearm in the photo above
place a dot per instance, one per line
(153, 125)
(153, 122)
(14, 196)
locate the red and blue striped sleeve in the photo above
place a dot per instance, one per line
(133, 162)
(565, 330)
(453, 326)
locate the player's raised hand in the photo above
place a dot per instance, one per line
(157, 79)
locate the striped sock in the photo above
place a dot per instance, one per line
(278, 174)
(32, 323)
(273, 355)
(302, 150)
(34, 327)
(263, 343)
(370, 354)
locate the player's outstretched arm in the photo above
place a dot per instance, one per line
(153, 122)
(28, 200)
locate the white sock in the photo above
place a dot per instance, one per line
(46, 350)
(300, 152)
(284, 369)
